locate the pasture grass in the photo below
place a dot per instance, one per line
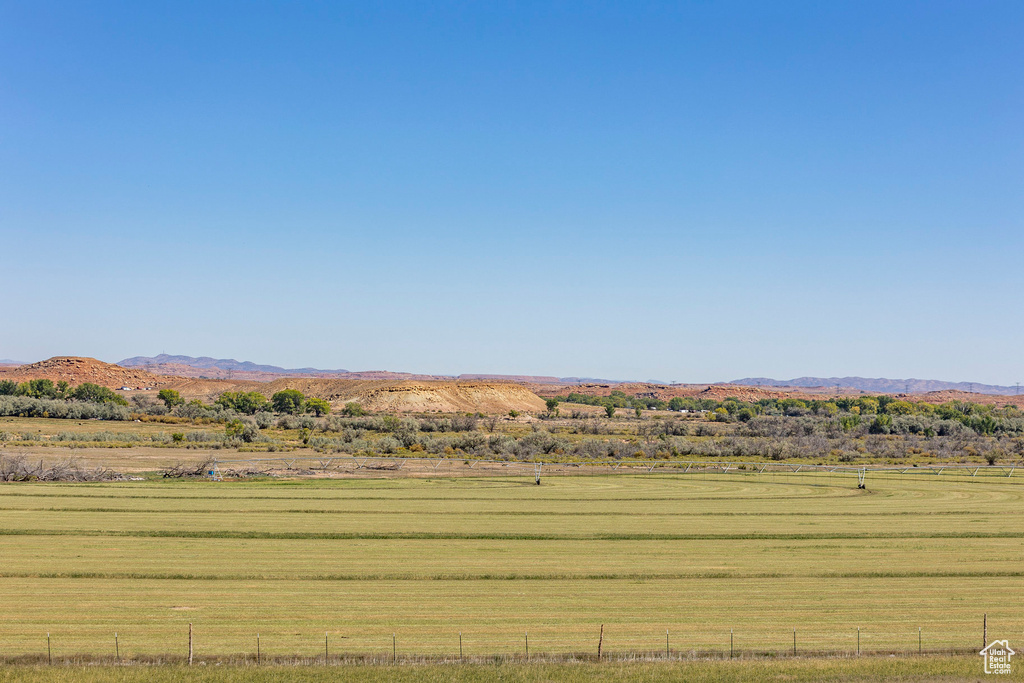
(946, 669)
(495, 558)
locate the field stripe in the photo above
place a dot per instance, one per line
(441, 536)
(507, 513)
(440, 499)
(512, 576)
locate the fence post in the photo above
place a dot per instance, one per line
(730, 643)
(984, 631)
(394, 648)
(117, 649)
(527, 645)
(794, 642)
(190, 643)
(49, 655)
(858, 640)
(257, 649)
(326, 653)
(600, 641)
(460, 646)
(918, 640)
(667, 656)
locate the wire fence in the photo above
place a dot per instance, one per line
(331, 648)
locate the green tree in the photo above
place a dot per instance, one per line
(37, 388)
(93, 393)
(618, 399)
(609, 410)
(234, 428)
(882, 424)
(8, 387)
(899, 408)
(984, 425)
(845, 402)
(288, 401)
(170, 397)
(318, 406)
(848, 422)
(867, 405)
(248, 402)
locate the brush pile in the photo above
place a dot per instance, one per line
(17, 468)
(182, 470)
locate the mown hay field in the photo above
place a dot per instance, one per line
(424, 560)
(947, 669)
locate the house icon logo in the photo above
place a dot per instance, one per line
(997, 657)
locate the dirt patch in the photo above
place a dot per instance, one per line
(415, 397)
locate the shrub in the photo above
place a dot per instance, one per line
(353, 409)
(463, 423)
(388, 444)
(191, 411)
(250, 432)
(25, 406)
(264, 419)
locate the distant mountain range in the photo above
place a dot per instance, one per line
(207, 363)
(165, 364)
(879, 385)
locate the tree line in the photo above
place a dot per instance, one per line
(47, 389)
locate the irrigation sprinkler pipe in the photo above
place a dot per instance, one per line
(647, 466)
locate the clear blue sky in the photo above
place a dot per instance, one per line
(685, 191)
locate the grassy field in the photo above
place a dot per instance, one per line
(946, 669)
(495, 558)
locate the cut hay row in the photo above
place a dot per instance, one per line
(425, 560)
